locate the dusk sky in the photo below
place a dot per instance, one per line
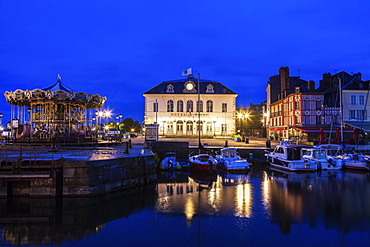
(121, 49)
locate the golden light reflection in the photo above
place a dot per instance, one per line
(266, 190)
(243, 200)
(189, 208)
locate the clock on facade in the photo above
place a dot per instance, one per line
(189, 86)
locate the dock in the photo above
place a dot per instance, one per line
(83, 171)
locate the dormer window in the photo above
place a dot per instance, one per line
(297, 89)
(210, 89)
(170, 89)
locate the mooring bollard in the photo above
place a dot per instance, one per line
(130, 144)
(126, 148)
(226, 144)
(250, 156)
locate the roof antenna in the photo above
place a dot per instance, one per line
(59, 77)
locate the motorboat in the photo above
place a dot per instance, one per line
(352, 161)
(289, 157)
(230, 160)
(170, 162)
(325, 157)
(355, 161)
(203, 162)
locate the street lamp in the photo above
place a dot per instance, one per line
(163, 127)
(214, 128)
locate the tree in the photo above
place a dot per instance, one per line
(129, 124)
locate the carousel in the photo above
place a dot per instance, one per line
(54, 111)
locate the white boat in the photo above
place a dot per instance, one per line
(352, 161)
(170, 162)
(324, 156)
(290, 158)
(203, 162)
(230, 160)
(355, 162)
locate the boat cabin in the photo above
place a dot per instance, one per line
(289, 152)
(229, 153)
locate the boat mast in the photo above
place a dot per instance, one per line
(198, 106)
(341, 110)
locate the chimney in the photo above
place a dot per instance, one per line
(325, 82)
(284, 78)
(358, 76)
(311, 86)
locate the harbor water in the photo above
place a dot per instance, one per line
(260, 208)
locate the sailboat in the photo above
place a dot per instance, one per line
(201, 162)
(352, 161)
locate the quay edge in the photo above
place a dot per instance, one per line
(88, 175)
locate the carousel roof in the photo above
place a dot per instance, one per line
(58, 86)
(57, 93)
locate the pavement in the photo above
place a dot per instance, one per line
(254, 142)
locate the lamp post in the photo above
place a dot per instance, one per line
(214, 128)
(163, 128)
(264, 124)
(1, 119)
(15, 127)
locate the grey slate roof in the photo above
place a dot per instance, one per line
(180, 84)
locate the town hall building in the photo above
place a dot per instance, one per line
(178, 107)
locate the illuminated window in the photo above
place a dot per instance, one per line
(170, 106)
(180, 106)
(189, 106)
(209, 106)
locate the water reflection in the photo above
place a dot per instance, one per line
(205, 194)
(211, 209)
(27, 221)
(334, 199)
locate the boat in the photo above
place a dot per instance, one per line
(354, 161)
(324, 156)
(337, 156)
(289, 157)
(230, 160)
(203, 162)
(170, 162)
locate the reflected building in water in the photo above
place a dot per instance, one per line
(337, 200)
(27, 221)
(204, 194)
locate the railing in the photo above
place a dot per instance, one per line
(27, 157)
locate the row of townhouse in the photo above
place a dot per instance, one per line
(335, 111)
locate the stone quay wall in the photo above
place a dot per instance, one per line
(101, 176)
(73, 177)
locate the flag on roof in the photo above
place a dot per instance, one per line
(187, 72)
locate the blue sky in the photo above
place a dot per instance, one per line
(120, 49)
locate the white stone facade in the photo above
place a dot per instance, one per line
(177, 113)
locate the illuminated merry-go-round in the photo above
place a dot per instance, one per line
(53, 111)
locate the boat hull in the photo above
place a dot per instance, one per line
(202, 167)
(359, 166)
(294, 166)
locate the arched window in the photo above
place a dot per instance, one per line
(199, 106)
(180, 106)
(189, 106)
(209, 106)
(170, 106)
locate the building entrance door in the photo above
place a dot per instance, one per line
(189, 128)
(179, 128)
